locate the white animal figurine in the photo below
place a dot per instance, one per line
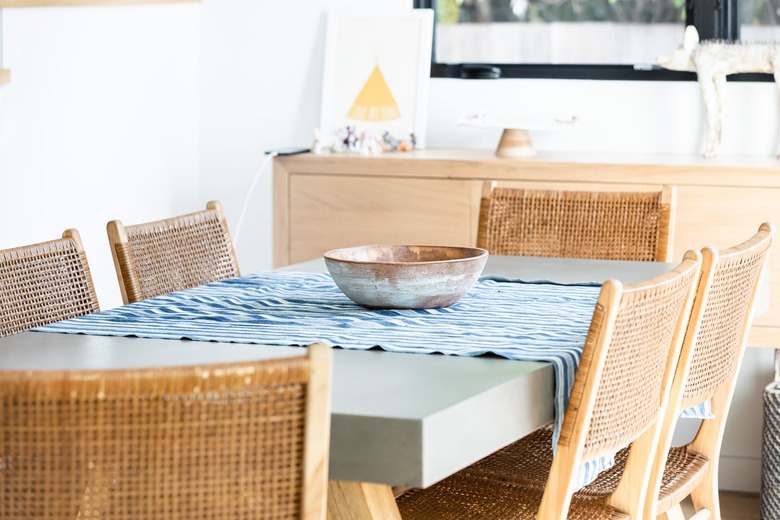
(713, 61)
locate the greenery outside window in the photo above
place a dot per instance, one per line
(588, 39)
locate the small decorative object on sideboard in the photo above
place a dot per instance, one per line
(349, 139)
(405, 277)
(712, 61)
(515, 139)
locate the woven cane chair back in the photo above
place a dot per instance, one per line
(44, 283)
(710, 357)
(577, 224)
(633, 385)
(619, 393)
(230, 441)
(726, 319)
(174, 254)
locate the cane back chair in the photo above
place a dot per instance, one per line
(726, 303)
(577, 224)
(226, 441)
(44, 283)
(174, 254)
(712, 350)
(618, 397)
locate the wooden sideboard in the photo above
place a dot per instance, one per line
(322, 202)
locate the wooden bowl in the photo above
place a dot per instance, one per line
(405, 277)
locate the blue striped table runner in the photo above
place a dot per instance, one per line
(531, 321)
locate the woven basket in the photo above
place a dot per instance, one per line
(770, 454)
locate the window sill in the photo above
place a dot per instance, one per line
(591, 72)
(63, 3)
(5, 76)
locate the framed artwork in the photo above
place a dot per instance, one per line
(376, 73)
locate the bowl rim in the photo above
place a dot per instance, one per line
(480, 253)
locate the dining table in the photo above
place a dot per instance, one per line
(398, 418)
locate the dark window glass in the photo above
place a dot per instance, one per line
(600, 39)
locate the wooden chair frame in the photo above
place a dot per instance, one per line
(729, 280)
(699, 475)
(108, 443)
(628, 496)
(514, 221)
(45, 282)
(589, 412)
(159, 257)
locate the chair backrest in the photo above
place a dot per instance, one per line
(43, 283)
(174, 254)
(714, 345)
(622, 384)
(577, 224)
(240, 440)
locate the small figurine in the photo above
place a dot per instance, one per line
(389, 143)
(318, 147)
(368, 144)
(350, 139)
(405, 146)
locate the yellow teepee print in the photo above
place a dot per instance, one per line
(375, 102)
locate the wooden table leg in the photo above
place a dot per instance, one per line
(361, 501)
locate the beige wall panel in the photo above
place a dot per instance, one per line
(725, 216)
(330, 211)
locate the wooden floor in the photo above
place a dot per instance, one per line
(733, 506)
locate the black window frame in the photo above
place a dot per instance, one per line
(714, 19)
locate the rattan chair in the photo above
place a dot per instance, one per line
(619, 393)
(577, 224)
(43, 283)
(724, 301)
(171, 255)
(230, 441)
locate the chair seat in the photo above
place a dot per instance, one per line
(685, 469)
(507, 485)
(521, 470)
(468, 498)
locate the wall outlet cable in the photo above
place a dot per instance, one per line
(269, 155)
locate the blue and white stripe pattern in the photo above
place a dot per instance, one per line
(699, 411)
(532, 321)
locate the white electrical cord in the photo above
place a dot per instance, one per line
(268, 157)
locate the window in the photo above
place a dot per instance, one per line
(590, 39)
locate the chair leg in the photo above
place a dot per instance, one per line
(675, 513)
(361, 500)
(705, 495)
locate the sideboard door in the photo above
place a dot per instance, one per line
(331, 211)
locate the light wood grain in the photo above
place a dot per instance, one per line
(317, 437)
(361, 501)
(328, 201)
(329, 211)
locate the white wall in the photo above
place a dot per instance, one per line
(261, 77)
(100, 122)
(615, 116)
(141, 112)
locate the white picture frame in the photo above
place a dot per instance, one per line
(398, 45)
